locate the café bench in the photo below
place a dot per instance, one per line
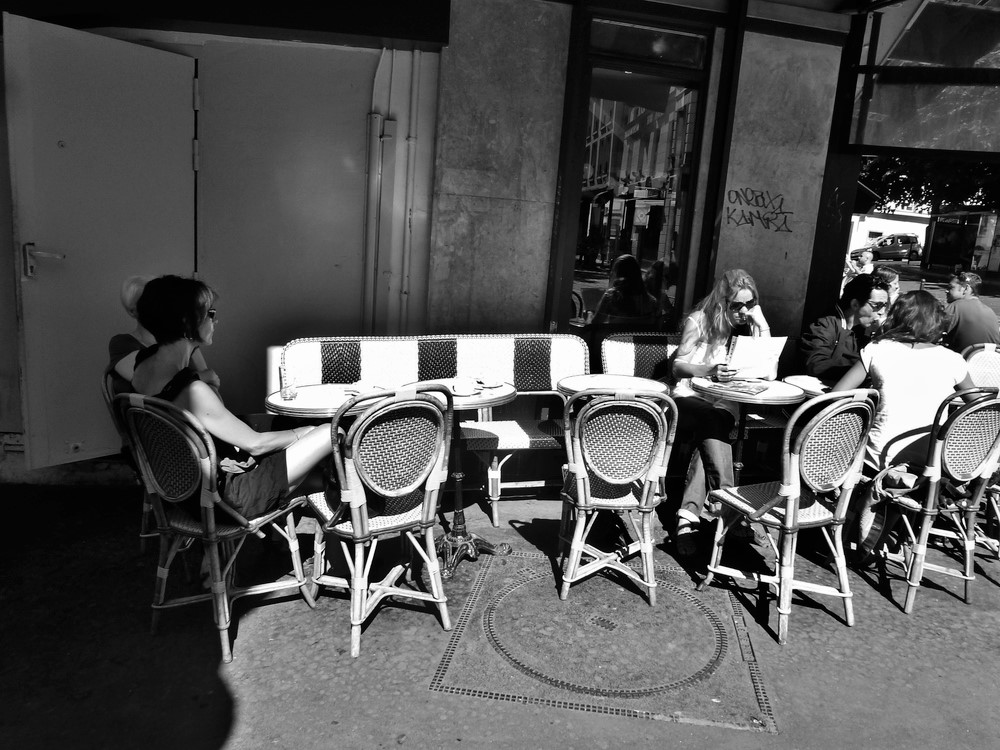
(533, 363)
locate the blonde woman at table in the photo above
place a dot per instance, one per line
(730, 309)
(257, 470)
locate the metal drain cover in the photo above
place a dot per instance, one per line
(634, 649)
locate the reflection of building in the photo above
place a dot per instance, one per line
(641, 155)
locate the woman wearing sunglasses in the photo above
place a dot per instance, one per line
(123, 347)
(730, 309)
(257, 469)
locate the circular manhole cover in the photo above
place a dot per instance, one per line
(605, 639)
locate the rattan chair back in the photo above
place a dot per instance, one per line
(175, 454)
(984, 364)
(620, 439)
(828, 436)
(396, 451)
(823, 449)
(968, 439)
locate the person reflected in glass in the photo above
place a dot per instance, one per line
(626, 295)
(732, 308)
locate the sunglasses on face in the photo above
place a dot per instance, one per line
(211, 314)
(877, 306)
(738, 306)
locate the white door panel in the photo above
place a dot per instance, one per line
(100, 136)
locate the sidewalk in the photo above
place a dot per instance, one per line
(80, 669)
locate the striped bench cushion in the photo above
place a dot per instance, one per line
(532, 362)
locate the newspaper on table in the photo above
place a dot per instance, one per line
(756, 356)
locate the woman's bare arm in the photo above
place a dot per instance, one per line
(202, 401)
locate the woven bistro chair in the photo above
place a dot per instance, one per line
(984, 370)
(961, 458)
(822, 456)
(146, 519)
(617, 446)
(395, 454)
(177, 461)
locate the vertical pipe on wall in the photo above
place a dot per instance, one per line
(374, 184)
(411, 169)
(372, 220)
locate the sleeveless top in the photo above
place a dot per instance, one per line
(231, 459)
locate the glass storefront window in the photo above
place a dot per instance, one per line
(648, 43)
(637, 173)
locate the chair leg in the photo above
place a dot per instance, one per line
(359, 597)
(305, 587)
(572, 564)
(717, 541)
(564, 524)
(434, 573)
(145, 521)
(968, 526)
(220, 595)
(915, 564)
(646, 552)
(840, 560)
(786, 581)
(169, 544)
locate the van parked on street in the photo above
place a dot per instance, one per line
(892, 247)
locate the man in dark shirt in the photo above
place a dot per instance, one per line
(834, 342)
(969, 320)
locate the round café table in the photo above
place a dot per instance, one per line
(775, 393)
(458, 542)
(317, 401)
(573, 384)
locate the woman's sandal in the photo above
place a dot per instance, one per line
(686, 537)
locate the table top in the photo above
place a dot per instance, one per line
(812, 386)
(469, 393)
(323, 400)
(775, 393)
(318, 400)
(575, 383)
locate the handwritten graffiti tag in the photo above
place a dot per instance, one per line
(747, 207)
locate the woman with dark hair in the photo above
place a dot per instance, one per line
(123, 347)
(626, 295)
(257, 470)
(730, 309)
(913, 374)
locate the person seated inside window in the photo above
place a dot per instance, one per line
(626, 295)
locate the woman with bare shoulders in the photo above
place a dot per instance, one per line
(257, 470)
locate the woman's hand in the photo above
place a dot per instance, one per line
(758, 322)
(721, 372)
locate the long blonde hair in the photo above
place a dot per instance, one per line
(715, 306)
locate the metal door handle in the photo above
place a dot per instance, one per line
(29, 254)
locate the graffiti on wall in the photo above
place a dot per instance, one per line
(749, 207)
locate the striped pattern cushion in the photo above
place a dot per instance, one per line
(642, 355)
(512, 435)
(532, 362)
